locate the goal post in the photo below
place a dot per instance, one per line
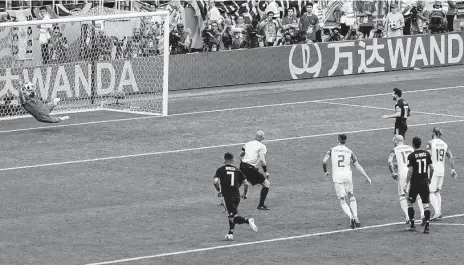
(114, 62)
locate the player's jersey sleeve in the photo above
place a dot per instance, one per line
(428, 147)
(411, 160)
(263, 150)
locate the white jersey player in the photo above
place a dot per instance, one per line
(438, 149)
(254, 155)
(400, 155)
(341, 158)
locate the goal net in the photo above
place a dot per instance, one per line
(114, 62)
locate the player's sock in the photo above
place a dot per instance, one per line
(404, 205)
(421, 207)
(346, 209)
(438, 196)
(434, 202)
(231, 226)
(240, 220)
(354, 208)
(411, 215)
(264, 192)
(427, 213)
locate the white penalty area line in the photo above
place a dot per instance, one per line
(224, 110)
(214, 146)
(256, 242)
(380, 108)
(446, 224)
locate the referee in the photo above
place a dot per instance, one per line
(402, 112)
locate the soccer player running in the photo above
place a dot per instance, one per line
(437, 149)
(402, 112)
(35, 106)
(227, 182)
(419, 162)
(254, 154)
(342, 177)
(400, 155)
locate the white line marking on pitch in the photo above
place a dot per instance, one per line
(255, 242)
(433, 224)
(214, 146)
(224, 110)
(380, 108)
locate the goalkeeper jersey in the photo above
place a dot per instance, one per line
(36, 108)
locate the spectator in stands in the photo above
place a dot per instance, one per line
(452, 11)
(419, 20)
(334, 35)
(211, 36)
(271, 6)
(269, 28)
(309, 24)
(366, 24)
(290, 21)
(437, 18)
(213, 12)
(394, 22)
(409, 14)
(353, 34)
(252, 38)
(58, 47)
(180, 40)
(45, 35)
(103, 44)
(241, 23)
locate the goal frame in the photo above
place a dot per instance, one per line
(166, 52)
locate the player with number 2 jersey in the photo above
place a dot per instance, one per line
(341, 158)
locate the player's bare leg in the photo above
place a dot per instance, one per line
(264, 191)
(354, 209)
(52, 105)
(347, 211)
(404, 206)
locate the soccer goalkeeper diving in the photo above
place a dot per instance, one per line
(34, 106)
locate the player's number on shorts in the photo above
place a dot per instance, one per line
(422, 165)
(405, 155)
(232, 176)
(341, 159)
(440, 154)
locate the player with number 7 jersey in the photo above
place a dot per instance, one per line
(227, 182)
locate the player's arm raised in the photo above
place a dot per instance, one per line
(22, 99)
(451, 161)
(391, 166)
(324, 164)
(358, 166)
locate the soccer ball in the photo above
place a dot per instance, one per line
(393, 24)
(229, 237)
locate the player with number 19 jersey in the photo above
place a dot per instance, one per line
(342, 157)
(438, 149)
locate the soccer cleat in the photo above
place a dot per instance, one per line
(358, 224)
(229, 237)
(407, 221)
(263, 207)
(412, 228)
(352, 223)
(64, 118)
(427, 228)
(253, 226)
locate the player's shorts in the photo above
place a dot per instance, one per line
(422, 190)
(232, 202)
(342, 189)
(401, 185)
(401, 127)
(252, 174)
(436, 183)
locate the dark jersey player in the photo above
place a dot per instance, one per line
(34, 106)
(227, 182)
(419, 163)
(402, 112)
